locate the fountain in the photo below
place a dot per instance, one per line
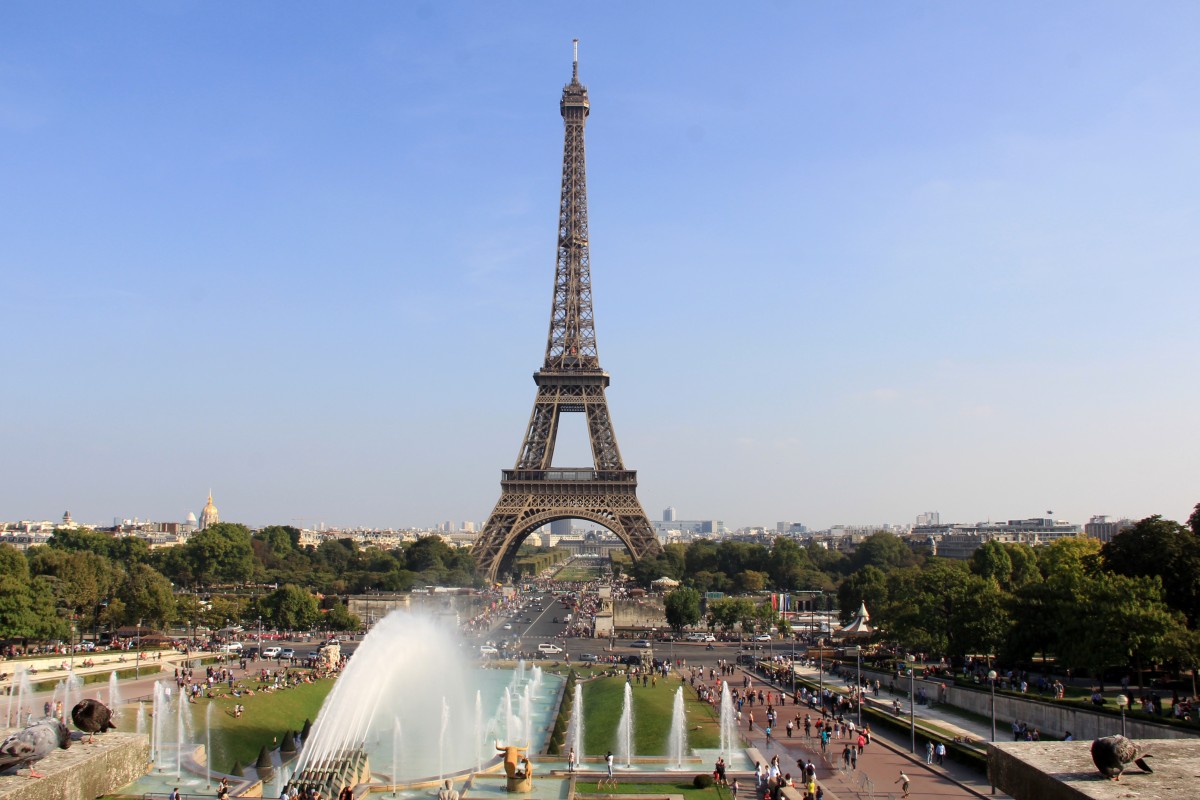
(526, 715)
(729, 735)
(677, 745)
(395, 753)
(207, 744)
(141, 718)
(408, 667)
(442, 740)
(575, 727)
(22, 693)
(478, 730)
(625, 729)
(114, 696)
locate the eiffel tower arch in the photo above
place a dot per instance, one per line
(570, 381)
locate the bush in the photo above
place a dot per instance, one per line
(703, 781)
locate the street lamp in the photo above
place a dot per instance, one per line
(1122, 701)
(991, 676)
(137, 659)
(858, 686)
(912, 708)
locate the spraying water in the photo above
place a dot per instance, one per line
(114, 695)
(393, 671)
(478, 731)
(72, 693)
(677, 744)
(527, 715)
(395, 753)
(575, 728)
(207, 744)
(625, 729)
(442, 739)
(729, 736)
(141, 718)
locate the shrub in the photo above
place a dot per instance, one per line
(703, 781)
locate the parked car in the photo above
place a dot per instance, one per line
(588, 658)
(488, 650)
(231, 647)
(287, 654)
(271, 652)
(642, 643)
(763, 637)
(549, 648)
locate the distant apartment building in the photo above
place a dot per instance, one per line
(669, 514)
(929, 518)
(961, 541)
(697, 527)
(1102, 528)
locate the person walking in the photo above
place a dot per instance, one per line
(608, 763)
(571, 760)
(903, 780)
(940, 753)
(929, 752)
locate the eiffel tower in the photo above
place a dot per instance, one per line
(533, 493)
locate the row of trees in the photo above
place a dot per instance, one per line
(1132, 602)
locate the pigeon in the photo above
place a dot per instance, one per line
(33, 744)
(1112, 755)
(92, 717)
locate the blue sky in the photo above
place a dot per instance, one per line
(852, 262)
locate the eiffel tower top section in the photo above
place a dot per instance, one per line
(571, 345)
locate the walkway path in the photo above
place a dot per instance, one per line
(880, 763)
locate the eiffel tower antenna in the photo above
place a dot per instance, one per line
(533, 494)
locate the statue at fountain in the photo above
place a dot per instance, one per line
(520, 779)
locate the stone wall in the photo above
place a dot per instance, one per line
(1054, 719)
(83, 772)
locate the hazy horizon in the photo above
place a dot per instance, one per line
(851, 264)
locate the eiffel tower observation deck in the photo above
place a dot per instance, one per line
(534, 493)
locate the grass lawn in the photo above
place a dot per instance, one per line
(577, 572)
(652, 705)
(686, 789)
(266, 716)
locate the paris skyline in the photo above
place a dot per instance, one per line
(850, 265)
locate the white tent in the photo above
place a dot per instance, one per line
(664, 583)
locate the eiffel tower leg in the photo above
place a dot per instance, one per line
(525, 506)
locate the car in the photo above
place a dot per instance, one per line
(231, 647)
(746, 659)
(528, 620)
(488, 650)
(642, 643)
(707, 637)
(556, 620)
(549, 648)
(508, 626)
(271, 652)
(588, 658)
(287, 654)
(763, 637)
(250, 652)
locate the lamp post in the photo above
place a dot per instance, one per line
(1122, 701)
(858, 687)
(137, 659)
(912, 708)
(991, 676)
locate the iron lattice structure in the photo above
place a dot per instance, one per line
(570, 381)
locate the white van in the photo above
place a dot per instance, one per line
(231, 647)
(271, 652)
(549, 648)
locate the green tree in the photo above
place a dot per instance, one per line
(883, 550)
(1157, 546)
(291, 608)
(17, 620)
(992, 560)
(219, 554)
(869, 585)
(340, 618)
(751, 580)
(682, 608)
(147, 596)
